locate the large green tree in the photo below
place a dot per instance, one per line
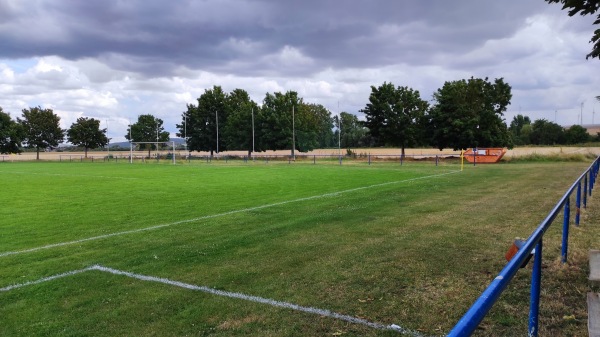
(353, 132)
(239, 133)
(11, 134)
(576, 134)
(516, 129)
(394, 114)
(314, 126)
(200, 124)
(278, 121)
(584, 7)
(544, 132)
(86, 132)
(147, 129)
(468, 113)
(41, 129)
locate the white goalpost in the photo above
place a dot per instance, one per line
(131, 145)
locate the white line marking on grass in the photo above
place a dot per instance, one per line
(241, 296)
(139, 230)
(45, 279)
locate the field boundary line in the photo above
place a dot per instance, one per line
(235, 295)
(212, 216)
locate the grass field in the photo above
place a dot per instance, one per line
(272, 249)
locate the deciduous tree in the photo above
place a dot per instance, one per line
(516, 127)
(576, 134)
(393, 115)
(353, 132)
(147, 129)
(468, 113)
(86, 133)
(544, 132)
(41, 129)
(11, 134)
(202, 126)
(238, 131)
(278, 121)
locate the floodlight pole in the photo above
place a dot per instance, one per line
(185, 130)
(253, 131)
(173, 153)
(130, 145)
(108, 143)
(293, 134)
(217, 117)
(339, 131)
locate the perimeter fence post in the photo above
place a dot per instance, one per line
(565, 236)
(369, 159)
(401, 159)
(585, 189)
(578, 203)
(436, 160)
(314, 159)
(536, 280)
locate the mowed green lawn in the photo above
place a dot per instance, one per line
(410, 245)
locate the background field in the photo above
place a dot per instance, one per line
(410, 245)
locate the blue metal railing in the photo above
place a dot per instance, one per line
(471, 319)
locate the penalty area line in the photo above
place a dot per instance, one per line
(228, 294)
(212, 216)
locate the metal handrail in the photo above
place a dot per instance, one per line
(471, 319)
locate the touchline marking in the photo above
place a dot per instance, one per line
(139, 230)
(241, 296)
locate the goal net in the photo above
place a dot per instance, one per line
(170, 144)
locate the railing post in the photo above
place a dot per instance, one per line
(565, 237)
(585, 190)
(536, 280)
(578, 203)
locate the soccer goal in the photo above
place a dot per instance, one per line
(133, 144)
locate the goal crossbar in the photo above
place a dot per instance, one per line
(167, 142)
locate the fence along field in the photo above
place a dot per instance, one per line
(384, 244)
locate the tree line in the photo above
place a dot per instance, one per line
(462, 114)
(544, 132)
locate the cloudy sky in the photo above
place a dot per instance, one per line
(114, 60)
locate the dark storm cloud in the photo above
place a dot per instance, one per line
(249, 37)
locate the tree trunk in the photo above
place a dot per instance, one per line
(37, 153)
(249, 154)
(86, 149)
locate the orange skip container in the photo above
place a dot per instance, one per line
(484, 155)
